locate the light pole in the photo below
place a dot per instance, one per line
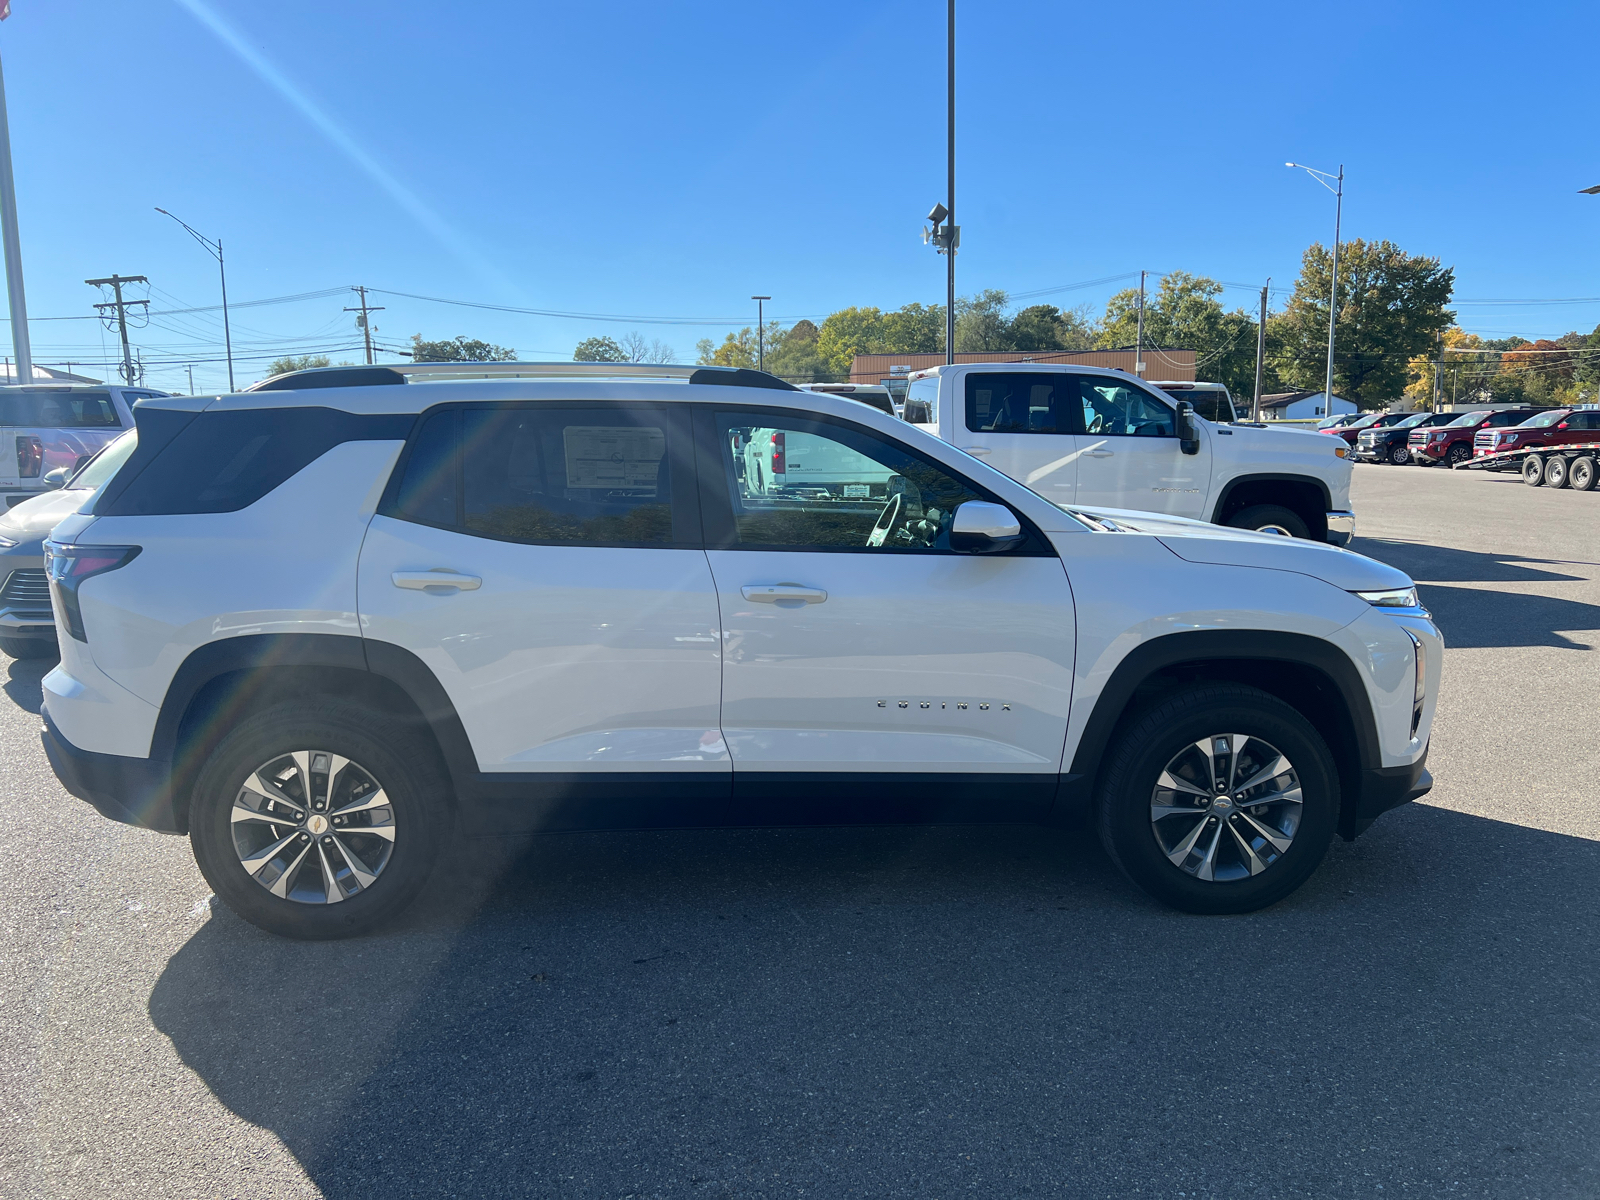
(1337, 188)
(761, 330)
(947, 236)
(215, 249)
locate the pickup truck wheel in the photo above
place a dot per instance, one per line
(1533, 470)
(318, 820)
(1581, 475)
(1459, 453)
(1220, 800)
(1555, 471)
(1400, 454)
(1269, 518)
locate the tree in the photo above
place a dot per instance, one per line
(1391, 307)
(1184, 313)
(737, 350)
(1046, 327)
(640, 349)
(982, 323)
(598, 349)
(792, 353)
(305, 362)
(458, 349)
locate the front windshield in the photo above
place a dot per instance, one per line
(1545, 420)
(1465, 420)
(104, 464)
(1413, 421)
(1363, 422)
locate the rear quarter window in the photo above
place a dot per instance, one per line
(58, 410)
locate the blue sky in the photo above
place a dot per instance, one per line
(667, 161)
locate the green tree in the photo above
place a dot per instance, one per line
(1184, 313)
(458, 349)
(792, 353)
(736, 350)
(1391, 307)
(305, 362)
(1046, 327)
(598, 349)
(982, 323)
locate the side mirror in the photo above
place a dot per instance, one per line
(1563, 425)
(983, 528)
(57, 479)
(1188, 431)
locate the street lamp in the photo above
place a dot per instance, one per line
(947, 236)
(216, 252)
(1337, 188)
(761, 329)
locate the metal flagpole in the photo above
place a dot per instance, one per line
(13, 247)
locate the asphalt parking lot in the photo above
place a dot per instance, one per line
(884, 1013)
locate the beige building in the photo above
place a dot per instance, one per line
(1159, 364)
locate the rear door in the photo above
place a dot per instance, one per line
(544, 562)
(868, 670)
(1129, 455)
(1021, 423)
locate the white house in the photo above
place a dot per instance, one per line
(8, 374)
(1304, 406)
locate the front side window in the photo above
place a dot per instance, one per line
(1502, 419)
(1122, 410)
(810, 485)
(601, 476)
(1020, 402)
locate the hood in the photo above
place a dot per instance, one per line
(1201, 542)
(32, 520)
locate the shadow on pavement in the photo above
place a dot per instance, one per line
(22, 682)
(1444, 564)
(913, 1013)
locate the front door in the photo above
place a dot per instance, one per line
(868, 668)
(544, 562)
(1020, 423)
(1128, 452)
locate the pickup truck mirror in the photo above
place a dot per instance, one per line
(1188, 432)
(983, 528)
(54, 480)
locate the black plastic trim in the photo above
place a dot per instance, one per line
(329, 377)
(131, 790)
(1269, 477)
(740, 377)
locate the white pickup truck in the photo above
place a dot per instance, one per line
(1087, 437)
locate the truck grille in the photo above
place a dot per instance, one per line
(28, 586)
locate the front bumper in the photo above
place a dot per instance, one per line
(1341, 527)
(24, 596)
(1384, 788)
(135, 791)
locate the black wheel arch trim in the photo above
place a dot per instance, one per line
(1267, 477)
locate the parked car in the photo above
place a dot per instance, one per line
(875, 395)
(1085, 436)
(51, 426)
(1372, 420)
(1391, 443)
(1552, 427)
(1209, 400)
(531, 605)
(1452, 444)
(1338, 419)
(27, 627)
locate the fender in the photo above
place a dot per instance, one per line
(1280, 477)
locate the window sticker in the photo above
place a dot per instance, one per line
(610, 456)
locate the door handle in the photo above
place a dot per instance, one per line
(979, 451)
(436, 581)
(773, 593)
(1100, 453)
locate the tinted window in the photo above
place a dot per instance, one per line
(601, 476)
(1585, 420)
(922, 401)
(58, 410)
(1206, 402)
(803, 485)
(1123, 410)
(225, 461)
(1507, 418)
(1021, 402)
(1545, 420)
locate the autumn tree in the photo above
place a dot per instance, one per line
(1185, 313)
(458, 349)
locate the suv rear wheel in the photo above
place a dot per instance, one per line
(1220, 800)
(1270, 518)
(319, 820)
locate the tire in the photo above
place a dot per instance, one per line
(1163, 743)
(14, 647)
(1533, 470)
(1459, 453)
(1270, 518)
(1400, 454)
(1581, 474)
(375, 874)
(1555, 471)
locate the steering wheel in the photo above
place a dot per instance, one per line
(888, 520)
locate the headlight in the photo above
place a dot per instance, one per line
(1394, 598)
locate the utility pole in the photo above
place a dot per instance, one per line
(955, 230)
(1333, 301)
(1261, 354)
(362, 321)
(1138, 337)
(115, 283)
(761, 329)
(13, 248)
(1438, 373)
(191, 378)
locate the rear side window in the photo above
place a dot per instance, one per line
(58, 410)
(225, 461)
(610, 475)
(1020, 402)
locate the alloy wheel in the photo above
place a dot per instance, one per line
(313, 827)
(1226, 807)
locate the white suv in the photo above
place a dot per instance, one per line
(319, 627)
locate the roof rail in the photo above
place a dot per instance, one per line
(323, 377)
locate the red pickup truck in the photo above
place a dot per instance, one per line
(1452, 443)
(1553, 427)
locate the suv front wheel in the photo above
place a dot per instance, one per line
(318, 821)
(1221, 799)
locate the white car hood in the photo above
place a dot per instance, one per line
(1203, 542)
(36, 517)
